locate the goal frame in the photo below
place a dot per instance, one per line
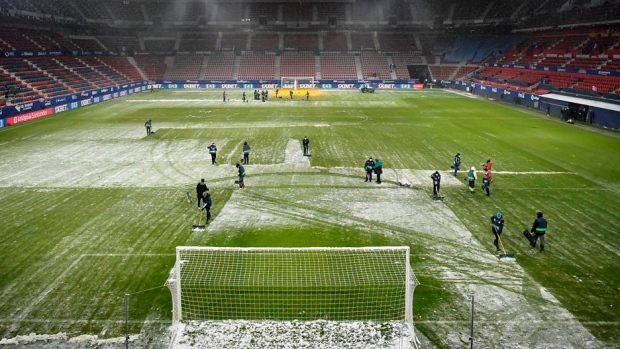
(292, 82)
(383, 268)
(176, 284)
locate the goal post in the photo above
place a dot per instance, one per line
(294, 83)
(366, 285)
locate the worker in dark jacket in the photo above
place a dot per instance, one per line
(457, 164)
(201, 188)
(213, 152)
(497, 225)
(436, 183)
(368, 166)
(539, 229)
(378, 169)
(208, 202)
(246, 153)
(486, 182)
(241, 175)
(306, 143)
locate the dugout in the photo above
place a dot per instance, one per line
(586, 110)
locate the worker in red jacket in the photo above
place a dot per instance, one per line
(488, 165)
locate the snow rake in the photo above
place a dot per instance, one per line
(199, 227)
(505, 256)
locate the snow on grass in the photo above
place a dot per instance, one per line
(512, 310)
(294, 154)
(64, 340)
(320, 334)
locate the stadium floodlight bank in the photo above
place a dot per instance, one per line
(297, 82)
(281, 297)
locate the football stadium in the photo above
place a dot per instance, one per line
(309, 174)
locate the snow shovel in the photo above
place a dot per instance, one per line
(504, 255)
(199, 227)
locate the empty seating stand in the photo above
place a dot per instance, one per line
(159, 45)
(186, 67)
(198, 42)
(396, 42)
(265, 42)
(110, 73)
(220, 65)
(301, 42)
(334, 42)
(34, 77)
(375, 65)
(79, 67)
(338, 66)
(121, 65)
(256, 65)
(153, 66)
(299, 64)
(62, 74)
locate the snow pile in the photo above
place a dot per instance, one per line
(319, 334)
(63, 340)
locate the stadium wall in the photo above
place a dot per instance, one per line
(16, 114)
(603, 117)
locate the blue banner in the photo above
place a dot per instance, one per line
(56, 53)
(271, 84)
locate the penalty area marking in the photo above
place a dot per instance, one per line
(449, 322)
(172, 100)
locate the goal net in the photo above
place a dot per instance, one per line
(297, 82)
(272, 297)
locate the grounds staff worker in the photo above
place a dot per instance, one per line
(539, 229)
(378, 168)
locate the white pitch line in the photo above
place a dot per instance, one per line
(228, 117)
(530, 172)
(448, 322)
(126, 254)
(62, 321)
(562, 189)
